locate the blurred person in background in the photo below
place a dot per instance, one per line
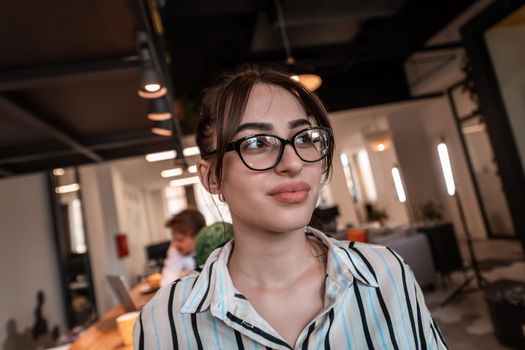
(180, 258)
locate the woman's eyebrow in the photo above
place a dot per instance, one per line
(268, 126)
(255, 126)
(299, 122)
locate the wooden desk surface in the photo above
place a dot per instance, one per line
(103, 335)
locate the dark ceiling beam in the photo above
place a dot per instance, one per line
(454, 45)
(29, 118)
(23, 78)
(5, 173)
(141, 138)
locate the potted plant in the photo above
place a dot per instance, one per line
(376, 214)
(430, 212)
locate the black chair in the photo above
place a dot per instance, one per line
(325, 219)
(157, 252)
(444, 247)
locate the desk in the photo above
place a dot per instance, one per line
(103, 335)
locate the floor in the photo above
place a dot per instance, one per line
(465, 322)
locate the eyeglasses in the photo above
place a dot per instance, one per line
(263, 151)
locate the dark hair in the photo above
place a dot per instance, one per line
(223, 106)
(188, 222)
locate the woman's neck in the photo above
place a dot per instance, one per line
(266, 259)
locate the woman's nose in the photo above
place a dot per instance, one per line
(290, 161)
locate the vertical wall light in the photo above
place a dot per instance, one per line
(446, 168)
(367, 175)
(398, 183)
(451, 189)
(349, 176)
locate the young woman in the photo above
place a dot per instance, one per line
(266, 147)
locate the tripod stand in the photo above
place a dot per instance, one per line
(481, 282)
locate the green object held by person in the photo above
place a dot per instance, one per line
(210, 237)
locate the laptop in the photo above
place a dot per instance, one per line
(120, 289)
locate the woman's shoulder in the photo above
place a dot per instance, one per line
(367, 249)
(172, 296)
(379, 261)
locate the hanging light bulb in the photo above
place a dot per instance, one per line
(380, 140)
(150, 85)
(162, 128)
(159, 109)
(311, 81)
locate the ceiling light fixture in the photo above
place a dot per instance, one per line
(159, 109)
(192, 169)
(150, 85)
(380, 140)
(172, 172)
(67, 188)
(185, 181)
(162, 128)
(156, 157)
(58, 172)
(191, 151)
(311, 81)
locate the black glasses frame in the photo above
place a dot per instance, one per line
(236, 146)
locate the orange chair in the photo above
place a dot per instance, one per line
(356, 235)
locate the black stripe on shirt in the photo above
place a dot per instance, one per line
(196, 331)
(381, 300)
(310, 330)
(407, 298)
(386, 314)
(363, 317)
(257, 331)
(170, 315)
(327, 337)
(419, 324)
(434, 333)
(367, 263)
(352, 262)
(238, 339)
(207, 288)
(439, 332)
(240, 296)
(141, 336)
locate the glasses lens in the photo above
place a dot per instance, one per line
(260, 152)
(312, 144)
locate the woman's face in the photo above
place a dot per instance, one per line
(283, 198)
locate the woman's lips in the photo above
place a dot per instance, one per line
(291, 197)
(293, 192)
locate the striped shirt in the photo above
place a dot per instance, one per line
(372, 301)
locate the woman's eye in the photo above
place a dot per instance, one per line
(304, 140)
(257, 144)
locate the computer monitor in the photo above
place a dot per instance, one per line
(120, 289)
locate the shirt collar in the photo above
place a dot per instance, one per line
(214, 286)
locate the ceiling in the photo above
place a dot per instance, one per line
(69, 70)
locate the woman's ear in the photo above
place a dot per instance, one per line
(207, 176)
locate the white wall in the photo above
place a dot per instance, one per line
(348, 132)
(29, 259)
(438, 122)
(112, 205)
(507, 51)
(420, 175)
(417, 128)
